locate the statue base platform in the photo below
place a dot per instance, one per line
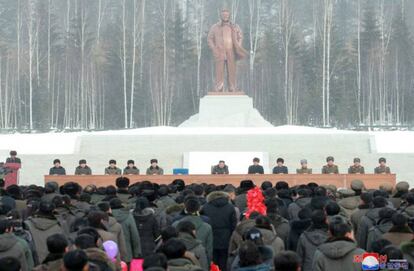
(226, 109)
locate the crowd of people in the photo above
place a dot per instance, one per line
(204, 226)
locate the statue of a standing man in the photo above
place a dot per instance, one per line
(225, 41)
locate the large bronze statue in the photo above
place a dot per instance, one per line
(225, 41)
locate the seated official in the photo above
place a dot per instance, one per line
(280, 168)
(154, 169)
(330, 167)
(356, 168)
(131, 169)
(83, 168)
(221, 168)
(255, 168)
(304, 167)
(57, 169)
(13, 158)
(113, 169)
(382, 168)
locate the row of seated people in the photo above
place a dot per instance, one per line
(181, 227)
(222, 168)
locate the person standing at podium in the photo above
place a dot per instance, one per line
(13, 158)
(256, 168)
(280, 168)
(221, 168)
(154, 169)
(83, 168)
(57, 169)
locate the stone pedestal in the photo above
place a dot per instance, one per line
(226, 110)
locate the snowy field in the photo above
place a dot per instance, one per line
(170, 144)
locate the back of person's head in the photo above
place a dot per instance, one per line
(180, 184)
(265, 185)
(95, 219)
(163, 190)
(272, 205)
(46, 207)
(158, 260)
(320, 191)
(318, 218)
(85, 197)
(287, 261)
(379, 202)
(399, 220)
(51, 187)
(281, 185)
(186, 227)
(386, 213)
(332, 208)
(5, 226)
(339, 227)
(75, 260)
(116, 203)
(110, 190)
(269, 193)
(409, 198)
(168, 232)
(57, 243)
(10, 264)
(249, 254)
(380, 193)
(198, 189)
(141, 203)
(192, 204)
(304, 192)
(392, 252)
(305, 213)
(366, 197)
(91, 232)
(122, 182)
(378, 245)
(173, 248)
(263, 222)
(104, 206)
(318, 203)
(85, 241)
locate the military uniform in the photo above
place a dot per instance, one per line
(356, 170)
(218, 170)
(113, 171)
(83, 170)
(382, 170)
(131, 171)
(330, 169)
(155, 171)
(304, 171)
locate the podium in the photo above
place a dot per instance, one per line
(13, 176)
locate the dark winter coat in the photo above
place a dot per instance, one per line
(113, 171)
(99, 258)
(280, 170)
(309, 241)
(57, 171)
(115, 233)
(367, 221)
(260, 267)
(148, 229)
(131, 171)
(349, 204)
(83, 170)
(296, 206)
(382, 170)
(196, 247)
(218, 170)
(297, 227)
(164, 202)
(357, 216)
(375, 233)
(271, 239)
(130, 231)
(253, 169)
(398, 235)
(241, 202)
(407, 248)
(237, 235)
(266, 254)
(330, 169)
(338, 255)
(281, 226)
(155, 171)
(182, 264)
(53, 262)
(16, 160)
(12, 246)
(41, 228)
(222, 218)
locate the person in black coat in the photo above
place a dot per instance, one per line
(256, 168)
(280, 168)
(298, 226)
(223, 220)
(147, 225)
(57, 169)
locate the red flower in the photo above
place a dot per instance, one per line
(255, 202)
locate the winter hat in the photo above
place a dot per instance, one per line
(122, 182)
(357, 185)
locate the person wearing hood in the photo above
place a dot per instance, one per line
(250, 258)
(298, 226)
(300, 203)
(266, 252)
(147, 225)
(57, 245)
(383, 225)
(363, 208)
(165, 200)
(338, 252)
(223, 221)
(204, 232)
(270, 237)
(13, 246)
(400, 231)
(129, 229)
(175, 251)
(187, 234)
(312, 238)
(41, 226)
(280, 224)
(369, 220)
